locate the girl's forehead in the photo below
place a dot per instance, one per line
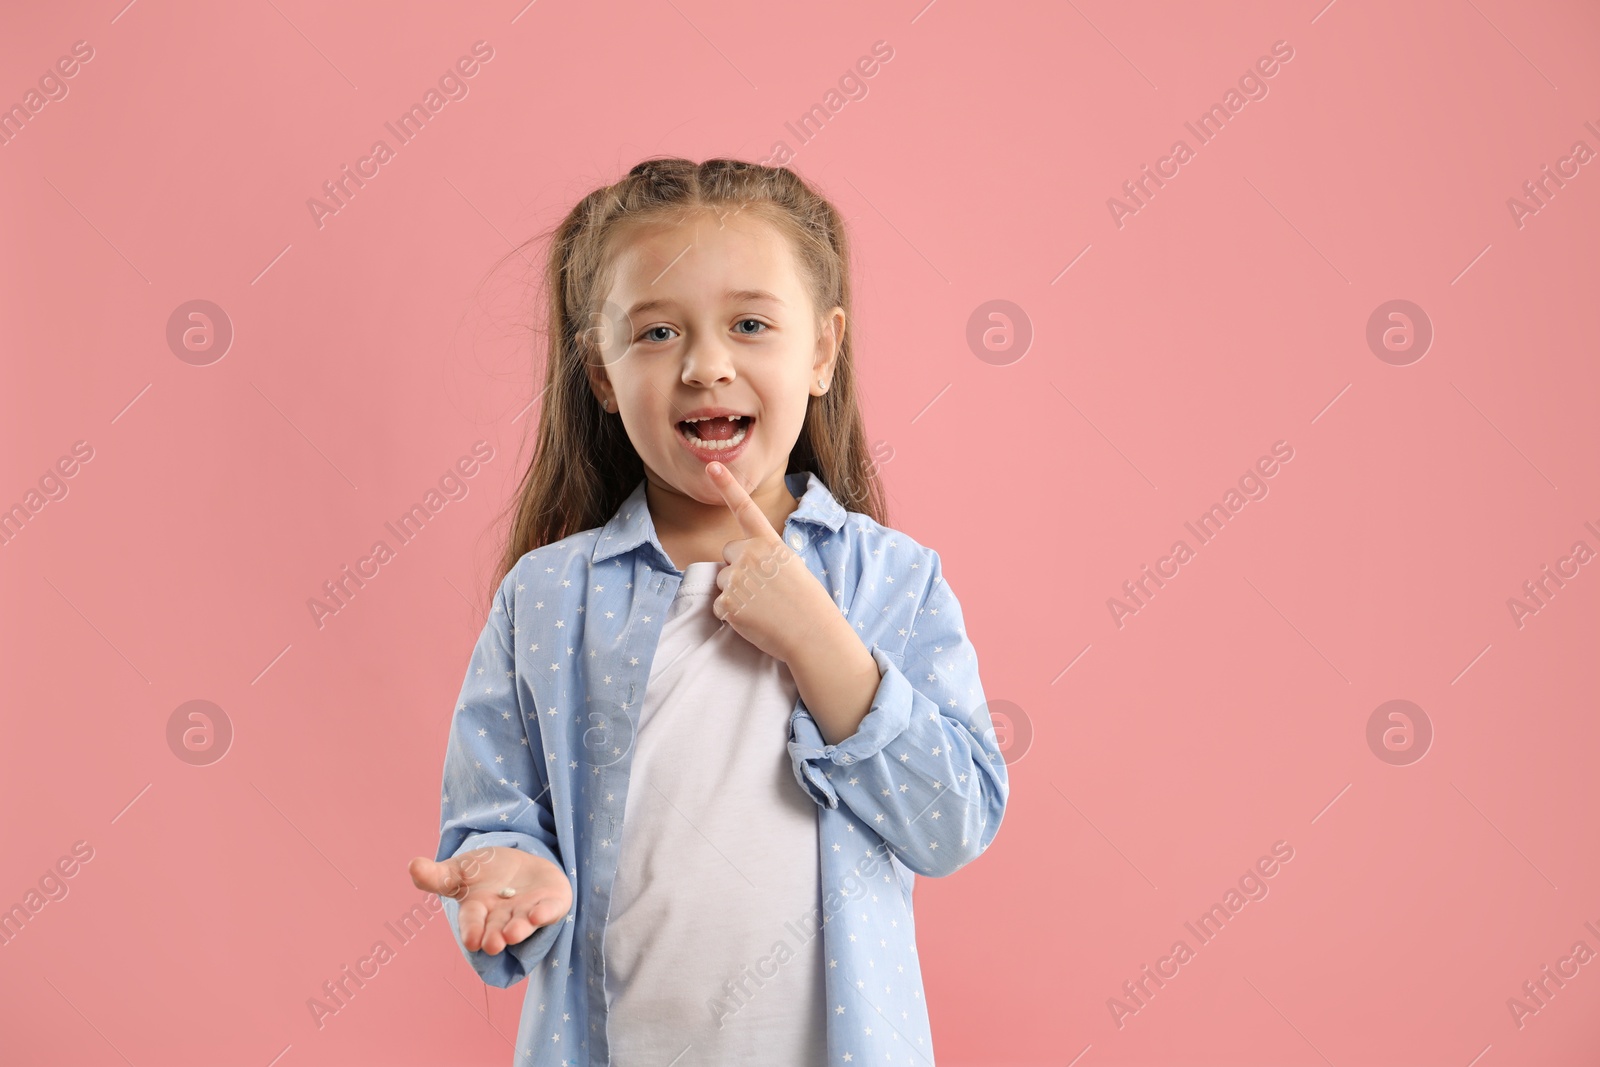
(664, 260)
(730, 226)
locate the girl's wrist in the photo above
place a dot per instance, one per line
(837, 677)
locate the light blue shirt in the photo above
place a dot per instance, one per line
(542, 738)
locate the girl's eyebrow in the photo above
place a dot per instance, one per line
(731, 294)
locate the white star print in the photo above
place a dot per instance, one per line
(859, 557)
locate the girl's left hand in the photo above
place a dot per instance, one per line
(769, 596)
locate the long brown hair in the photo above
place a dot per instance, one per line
(583, 466)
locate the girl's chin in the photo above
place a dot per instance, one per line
(686, 474)
(701, 487)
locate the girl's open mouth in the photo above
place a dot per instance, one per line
(724, 433)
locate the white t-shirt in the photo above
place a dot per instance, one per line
(713, 948)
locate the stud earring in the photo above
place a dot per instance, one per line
(822, 383)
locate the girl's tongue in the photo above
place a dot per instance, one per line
(720, 428)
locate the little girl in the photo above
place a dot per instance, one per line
(720, 716)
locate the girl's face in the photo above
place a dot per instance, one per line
(712, 313)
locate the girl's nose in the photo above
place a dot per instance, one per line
(706, 364)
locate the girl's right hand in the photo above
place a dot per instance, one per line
(487, 920)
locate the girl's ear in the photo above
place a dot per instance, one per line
(599, 385)
(829, 337)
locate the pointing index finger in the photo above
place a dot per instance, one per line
(751, 518)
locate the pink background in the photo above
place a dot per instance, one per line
(1169, 753)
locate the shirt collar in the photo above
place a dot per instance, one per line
(632, 526)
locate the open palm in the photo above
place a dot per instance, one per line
(489, 921)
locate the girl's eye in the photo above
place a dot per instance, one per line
(647, 335)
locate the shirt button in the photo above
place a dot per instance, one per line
(794, 539)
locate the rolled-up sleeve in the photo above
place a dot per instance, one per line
(496, 791)
(924, 768)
